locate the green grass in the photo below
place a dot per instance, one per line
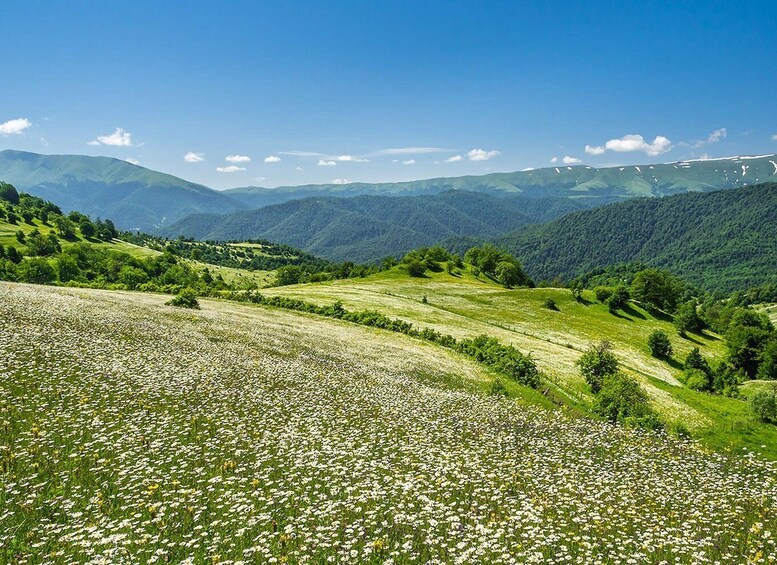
(131, 431)
(466, 306)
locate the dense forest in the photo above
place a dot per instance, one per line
(725, 240)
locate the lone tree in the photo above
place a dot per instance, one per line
(596, 364)
(687, 319)
(656, 289)
(8, 193)
(659, 345)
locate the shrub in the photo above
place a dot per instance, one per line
(659, 345)
(596, 364)
(550, 304)
(621, 399)
(187, 298)
(763, 403)
(696, 361)
(36, 270)
(696, 379)
(415, 268)
(497, 388)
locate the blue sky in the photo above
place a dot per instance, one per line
(315, 92)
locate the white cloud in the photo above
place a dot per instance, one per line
(481, 155)
(260, 179)
(340, 181)
(192, 157)
(774, 137)
(237, 158)
(299, 168)
(322, 163)
(15, 126)
(409, 162)
(454, 159)
(132, 161)
(527, 169)
(302, 153)
(230, 169)
(119, 138)
(554, 160)
(717, 135)
(272, 159)
(591, 150)
(633, 142)
(350, 158)
(410, 151)
(571, 160)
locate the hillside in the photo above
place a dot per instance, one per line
(465, 306)
(367, 228)
(724, 240)
(576, 182)
(135, 197)
(248, 433)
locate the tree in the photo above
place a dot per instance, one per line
(603, 293)
(187, 298)
(659, 344)
(619, 298)
(8, 193)
(20, 237)
(597, 363)
(415, 268)
(36, 270)
(694, 360)
(687, 319)
(508, 274)
(86, 227)
(67, 268)
(621, 399)
(745, 344)
(577, 287)
(65, 227)
(767, 368)
(288, 274)
(656, 289)
(132, 277)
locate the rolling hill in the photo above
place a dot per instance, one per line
(133, 196)
(724, 240)
(367, 228)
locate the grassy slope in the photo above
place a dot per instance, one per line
(230, 275)
(465, 307)
(138, 431)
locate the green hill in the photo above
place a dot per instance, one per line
(724, 240)
(367, 228)
(465, 306)
(135, 197)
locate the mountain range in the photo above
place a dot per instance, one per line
(137, 197)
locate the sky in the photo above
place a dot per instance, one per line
(234, 94)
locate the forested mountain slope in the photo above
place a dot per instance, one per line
(724, 240)
(366, 228)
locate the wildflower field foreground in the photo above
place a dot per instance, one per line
(134, 432)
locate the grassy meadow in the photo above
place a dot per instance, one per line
(131, 431)
(466, 306)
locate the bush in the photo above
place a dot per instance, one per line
(596, 364)
(187, 298)
(696, 379)
(498, 388)
(550, 304)
(763, 403)
(416, 268)
(659, 345)
(36, 270)
(621, 399)
(687, 319)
